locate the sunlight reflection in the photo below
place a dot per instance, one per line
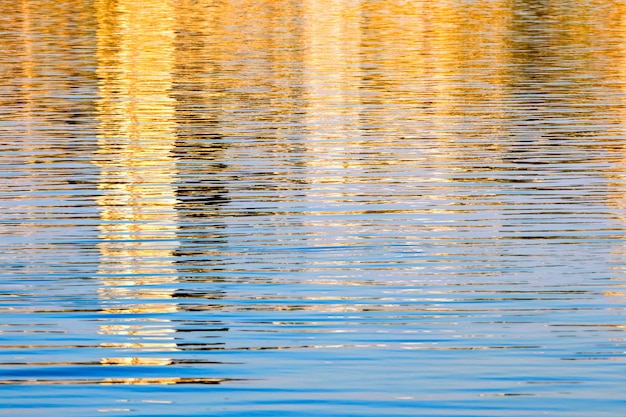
(138, 173)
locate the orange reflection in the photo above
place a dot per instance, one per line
(137, 134)
(616, 176)
(44, 57)
(136, 115)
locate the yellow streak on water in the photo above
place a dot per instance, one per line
(138, 173)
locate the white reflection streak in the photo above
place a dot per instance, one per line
(332, 38)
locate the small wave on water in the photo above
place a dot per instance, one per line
(312, 208)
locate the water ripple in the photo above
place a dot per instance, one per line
(312, 208)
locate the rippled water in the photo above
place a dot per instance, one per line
(304, 207)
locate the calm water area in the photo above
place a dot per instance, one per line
(313, 208)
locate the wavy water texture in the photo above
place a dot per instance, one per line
(304, 207)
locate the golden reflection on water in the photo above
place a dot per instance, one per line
(38, 93)
(366, 83)
(138, 171)
(136, 138)
(424, 108)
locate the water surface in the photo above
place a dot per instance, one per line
(316, 208)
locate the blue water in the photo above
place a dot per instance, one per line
(309, 208)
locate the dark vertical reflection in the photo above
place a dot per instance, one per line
(199, 147)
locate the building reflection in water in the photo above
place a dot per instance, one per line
(395, 105)
(346, 143)
(386, 89)
(137, 135)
